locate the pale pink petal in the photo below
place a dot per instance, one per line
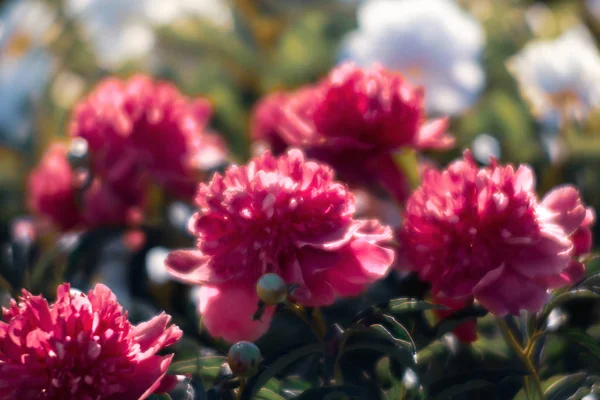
(524, 179)
(550, 255)
(433, 135)
(190, 266)
(565, 207)
(503, 291)
(227, 311)
(154, 335)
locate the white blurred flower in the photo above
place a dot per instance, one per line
(121, 30)
(485, 146)
(434, 43)
(559, 77)
(25, 65)
(155, 265)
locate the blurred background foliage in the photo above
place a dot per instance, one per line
(236, 51)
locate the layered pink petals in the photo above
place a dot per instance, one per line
(279, 215)
(139, 132)
(352, 120)
(80, 347)
(483, 234)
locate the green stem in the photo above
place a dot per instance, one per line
(514, 344)
(240, 389)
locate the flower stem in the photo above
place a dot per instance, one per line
(514, 344)
(320, 324)
(240, 389)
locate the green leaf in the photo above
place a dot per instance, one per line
(406, 162)
(452, 384)
(405, 304)
(565, 387)
(206, 367)
(469, 386)
(334, 393)
(159, 396)
(565, 297)
(267, 394)
(582, 338)
(255, 383)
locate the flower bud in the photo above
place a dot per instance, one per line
(271, 289)
(243, 358)
(78, 155)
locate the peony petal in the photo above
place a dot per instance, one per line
(227, 311)
(548, 256)
(190, 266)
(524, 179)
(433, 135)
(153, 335)
(146, 378)
(374, 260)
(503, 291)
(571, 275)
(565, 208)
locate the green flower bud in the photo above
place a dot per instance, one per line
(244, 358)
(271, 289)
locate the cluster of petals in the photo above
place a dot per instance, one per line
(434, 43)
(81, 347)
(282, 215)
(137, 132)
(483, 234)
(354, 120)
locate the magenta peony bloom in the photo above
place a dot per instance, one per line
(54, 193)
(139, 126)
(277, 215)
(266, 118)
(483, 234)
(81, 347)
(354, 120)
(51, 189)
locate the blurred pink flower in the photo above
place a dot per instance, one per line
(81, 347)
(139, 127)
(51, 189)
(266, 118)
(483, 234)
(280, 215)
(354, 120)
(53, 193)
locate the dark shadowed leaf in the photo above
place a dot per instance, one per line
(405, 304)
(334, 393)
(565, 387)
(453, 384)
(255, 383)
(565, 297)
(582, 338)
(206, 367)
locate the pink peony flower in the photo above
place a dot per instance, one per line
(139, 126)
(354, 120)
(54, 193)
(483, 234)
(51, 189)
(277, 215)
(81, 347)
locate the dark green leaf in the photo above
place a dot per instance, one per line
(582, 338)
(453, 384)
(334, 393)
(159, 396)
(565, 387)
(469, 386)
(267, 394)
(453, 321)
(565, 297)
(269, 371)
(206, 367)
(405, 304)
